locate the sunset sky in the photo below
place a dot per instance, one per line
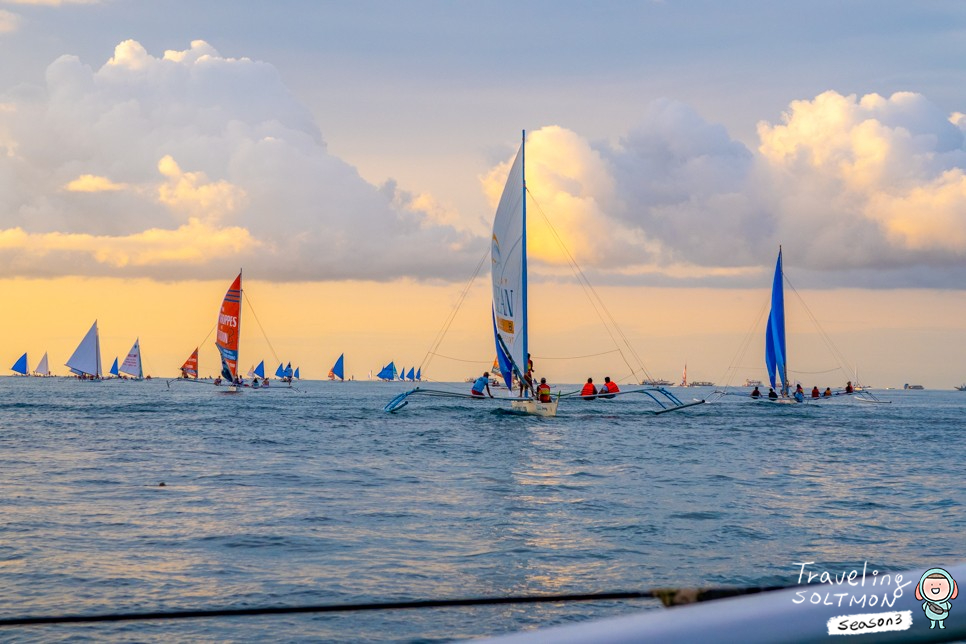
(349, 156)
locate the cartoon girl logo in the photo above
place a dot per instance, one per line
(936, 588)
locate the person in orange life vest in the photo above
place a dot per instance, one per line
(527, 382)
(589, 392)
(543, 391)
(815, 392)
(609, 388)
(482, 384)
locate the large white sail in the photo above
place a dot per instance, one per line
(132, 363)
(86, 359)
(509, 272)
(42, 369)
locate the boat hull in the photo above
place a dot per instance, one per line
(535, 407)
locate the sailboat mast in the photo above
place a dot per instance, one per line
(241, 296)
(523, 176)
(781, 270)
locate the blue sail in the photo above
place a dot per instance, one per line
(388, 372)
(288, 370)
(114, 370)
(20, 366)
(280, 372)
(296, 374)
(401, 374)
(775, 333)
(419, 374)
(338, 369)
(412, 374)
(260, 369)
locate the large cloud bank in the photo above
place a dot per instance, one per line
(190, 165)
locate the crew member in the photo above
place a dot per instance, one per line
(543, 391)
(482, 384)
(609, 388)
(589, 392)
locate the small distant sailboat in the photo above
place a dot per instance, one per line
(20, 366)
(85, 362)
(419, 374)
(296, 374)
(132, 363)
(259, 371)
(388, 372)
(412, 374)
(190, 367)
(229, 332)
(115, 369)
(42, 369)
(338, 369)
(684, 378)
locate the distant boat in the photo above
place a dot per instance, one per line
(419, 374)
(338, 369)
(701, 383)
(85, 362)
(684, 378)
(654, 382)
(229, 332)
(296, 374)
(132, 363)
(752, 383)
(42, 369)
(20, 366)
(190, 367)
(908, 386)
(412, 374)
(388, 372)
(115, 369)
(961, 387)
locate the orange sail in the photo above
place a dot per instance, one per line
(190, 367)
(229, 329)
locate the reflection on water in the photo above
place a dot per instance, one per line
(312, 496)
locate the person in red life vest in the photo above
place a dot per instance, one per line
(609, 388)
(527, 383)
(543, 391)
(482, 384)
(589, 392)
(815, 391)
(848, 387)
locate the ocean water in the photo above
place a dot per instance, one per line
(315, 495)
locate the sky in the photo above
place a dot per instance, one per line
(349, 156)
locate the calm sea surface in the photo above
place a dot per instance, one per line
(316, 496)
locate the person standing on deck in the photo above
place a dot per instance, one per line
(527, 383)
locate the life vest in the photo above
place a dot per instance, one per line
(612, 387)
(543, 393)
(589, 390)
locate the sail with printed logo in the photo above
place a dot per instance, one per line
(132, 363)
(190, 367)
(338, 369)
(229, 330)
(86, 359)
(42, 368)
(20, 366)
(775, 333)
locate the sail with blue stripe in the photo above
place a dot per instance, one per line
(775, 356)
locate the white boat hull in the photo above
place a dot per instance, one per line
(535, 407)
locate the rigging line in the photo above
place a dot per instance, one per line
(739, 356)
(440, 355)
(834, 350)
(438, 339)
(588, 290)
(667, 596)
(251, 307)
(590, 355)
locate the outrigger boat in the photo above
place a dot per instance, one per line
(508, 255)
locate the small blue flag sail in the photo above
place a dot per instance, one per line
(20, 366)
(114, 370)
(338, 369)
(297, 376)
(412, 374)
(260, 369)
(280, 372)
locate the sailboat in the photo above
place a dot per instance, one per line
(388, 372)
(20, 366)
(85, 362)
(229, 331)
(190, 367)
(259, 371)
(132, 363)
(114, 369)
(412, 374)
(509, 277)
(42, 369)
(338, 369)
(296, 374)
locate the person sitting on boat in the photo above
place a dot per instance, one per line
(755, 393)
(799, 394)
(771, 394)
(589, 392)
(217, 381)
(255, 383)
(482, 384)
(828, 392)
(543, 391)
(848, 387)
(609, 388)
(815, 392)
